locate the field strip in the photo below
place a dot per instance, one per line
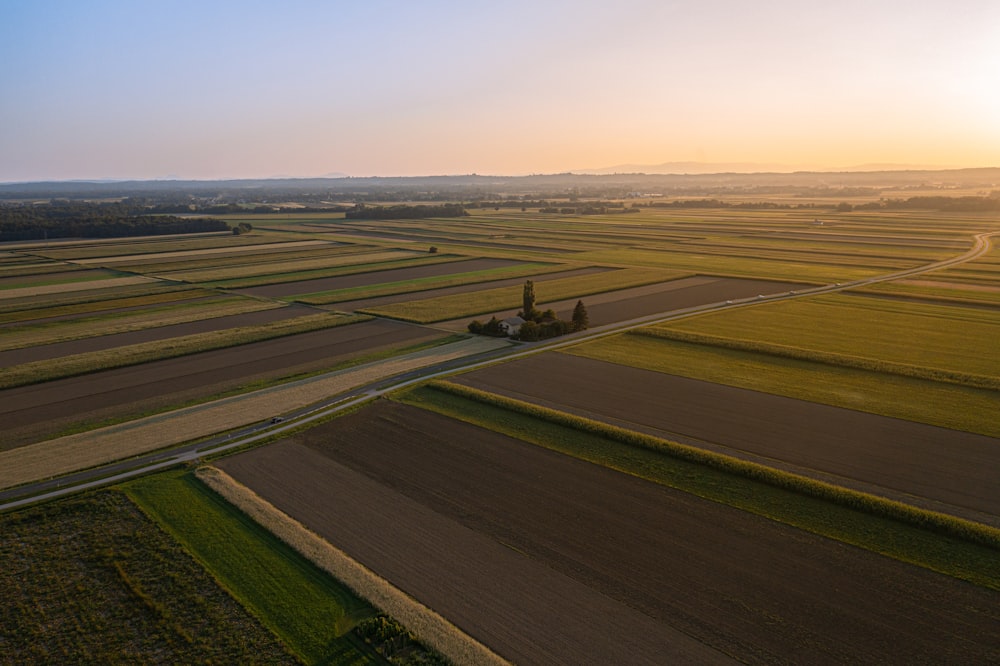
(219, 273)
(170, 315)
(104, 445)
(193, 253)
(429, 627)
(41, 290)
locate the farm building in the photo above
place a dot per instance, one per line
(511, 325)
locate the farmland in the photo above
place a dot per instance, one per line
(94, 580)
(883, 394)
(841, 444)
(155, 385)
(476, 514)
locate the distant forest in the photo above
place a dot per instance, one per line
(89, 220)
(363, 212)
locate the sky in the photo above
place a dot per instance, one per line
(120, 89)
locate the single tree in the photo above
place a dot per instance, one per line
(529, 299)
(580, 318)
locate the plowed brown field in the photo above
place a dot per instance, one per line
(30, 413)
(547, 559)
(896, 458)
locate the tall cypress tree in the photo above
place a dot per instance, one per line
(529, 299)
(580, 318)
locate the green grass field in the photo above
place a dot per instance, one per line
(943, 337)
(311, 612)
(652, 459)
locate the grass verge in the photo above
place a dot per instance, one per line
(306, 608)
(952, 546)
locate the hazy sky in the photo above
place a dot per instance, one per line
(216, 89)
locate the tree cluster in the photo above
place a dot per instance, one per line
(537, 325)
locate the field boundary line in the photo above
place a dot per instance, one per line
(430, 627)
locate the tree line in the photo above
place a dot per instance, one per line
(87, 220)
(363, 212)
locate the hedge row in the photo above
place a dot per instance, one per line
(872, 504)
(826, 358)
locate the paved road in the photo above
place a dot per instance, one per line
(109, 474)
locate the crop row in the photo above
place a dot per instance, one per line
(30, 335)
(123, 247)
(155, 263)
(80, 364)
(427, 283)
(936, 522)
(827, 358)
(29, 311)
(218, 274)
(298, 276)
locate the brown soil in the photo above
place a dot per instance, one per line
(548, 559)
(349, 306)
(377, 277)
(32, 413)
(55, 350)
(889, 456)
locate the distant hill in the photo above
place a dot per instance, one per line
(476, 186)
(710, 168)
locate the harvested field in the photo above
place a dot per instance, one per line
(34, 412)
(364, 279)
(453, 514)
(112, 341)
(625, 304)
(898, 459)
